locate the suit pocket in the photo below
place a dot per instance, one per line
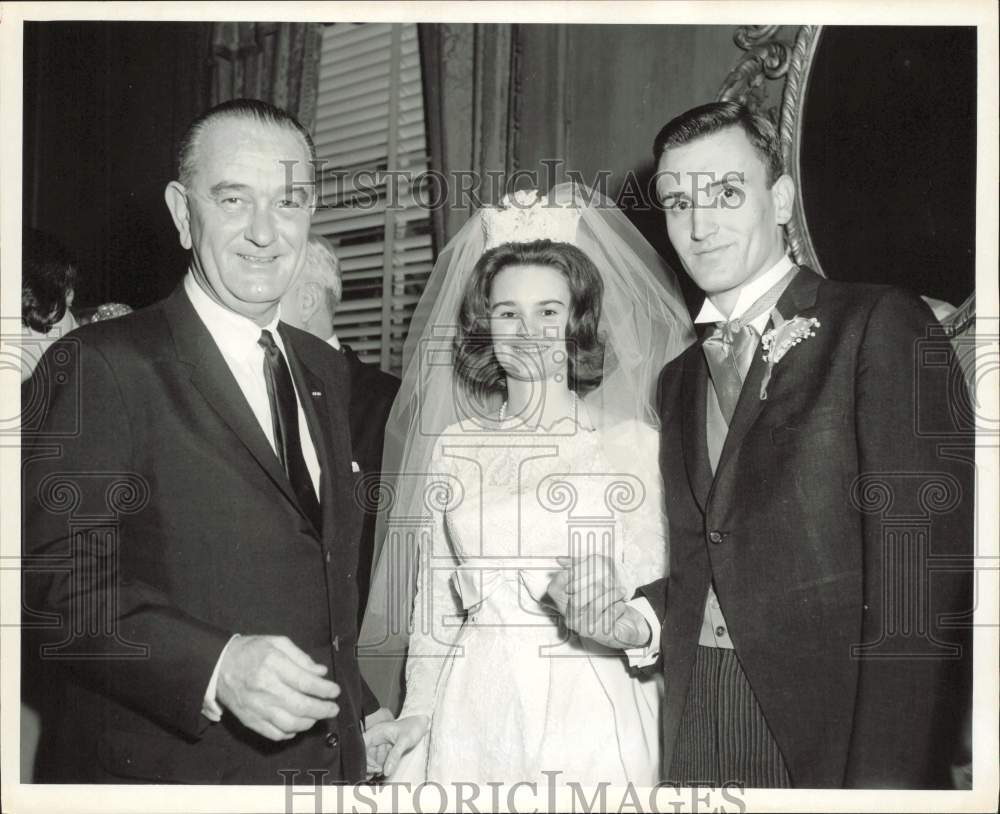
(808, 426)
(828, 582)
(163, 758)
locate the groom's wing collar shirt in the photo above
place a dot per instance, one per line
(749, 294)
(714, 630)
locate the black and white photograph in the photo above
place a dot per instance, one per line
(499, 406)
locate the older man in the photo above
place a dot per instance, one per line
(819, 495)
(310, 304)
(197, 534)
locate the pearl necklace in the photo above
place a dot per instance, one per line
(503, 408)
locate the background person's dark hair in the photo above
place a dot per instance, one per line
(48, 274)
(249, 109)
(477, 367)
(705, 120)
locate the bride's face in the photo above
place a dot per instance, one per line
(529, 309)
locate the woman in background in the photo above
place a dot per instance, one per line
(48, 280)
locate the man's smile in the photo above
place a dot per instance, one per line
(258, 260)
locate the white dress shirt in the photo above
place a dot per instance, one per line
(714, 630)
(236, 337)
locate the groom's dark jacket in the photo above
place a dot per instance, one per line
(837, 531)
(158, 522)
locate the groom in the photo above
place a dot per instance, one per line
(802, 638)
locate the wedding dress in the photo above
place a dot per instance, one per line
(510, 694)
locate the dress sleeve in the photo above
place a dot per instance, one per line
(437, 615)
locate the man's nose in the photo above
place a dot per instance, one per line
(703, 223)
(260, 230)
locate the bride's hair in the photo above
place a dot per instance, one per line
(475, 364)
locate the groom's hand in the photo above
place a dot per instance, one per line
(588, 595)
(273, 687)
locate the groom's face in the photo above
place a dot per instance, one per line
(723, 218)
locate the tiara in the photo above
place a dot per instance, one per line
(527, 215)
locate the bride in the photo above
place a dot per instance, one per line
(524, 432)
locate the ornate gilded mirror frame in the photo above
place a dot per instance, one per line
(771, 78)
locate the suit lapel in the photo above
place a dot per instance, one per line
(797, 297)
(325, 408)
(693, 394)
(211, 376)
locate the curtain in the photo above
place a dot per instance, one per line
(469, 95)
(273, 62)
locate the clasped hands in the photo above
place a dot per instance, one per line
(591, 599)
(588, 594)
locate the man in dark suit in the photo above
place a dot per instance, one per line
(310, 304)
(190, 525)
(819, 534)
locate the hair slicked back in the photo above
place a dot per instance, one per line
(714, 117)
(252, 110)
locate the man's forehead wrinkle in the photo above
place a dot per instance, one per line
(229, 142)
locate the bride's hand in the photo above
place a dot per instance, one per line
(592, 601)
(387, 742)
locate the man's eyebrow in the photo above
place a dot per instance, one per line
(297, 191)
(726, 180)
(228, 186)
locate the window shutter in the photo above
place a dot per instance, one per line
(370, 120)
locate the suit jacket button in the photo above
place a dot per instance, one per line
(328, 557)
(332, 740)
(336, 642)
(715, 537)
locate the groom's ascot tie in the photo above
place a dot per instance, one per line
(284, 415)
(729, 349)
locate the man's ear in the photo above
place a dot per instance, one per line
(309, 298)
(783, 197)
(176, 197)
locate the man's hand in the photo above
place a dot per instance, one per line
(588, 595)
(381, 715)
(387, 742)
(273, 687)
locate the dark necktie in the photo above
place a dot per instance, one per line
(285, 421)
(729, 349)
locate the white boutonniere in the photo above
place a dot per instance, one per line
(777, 341)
